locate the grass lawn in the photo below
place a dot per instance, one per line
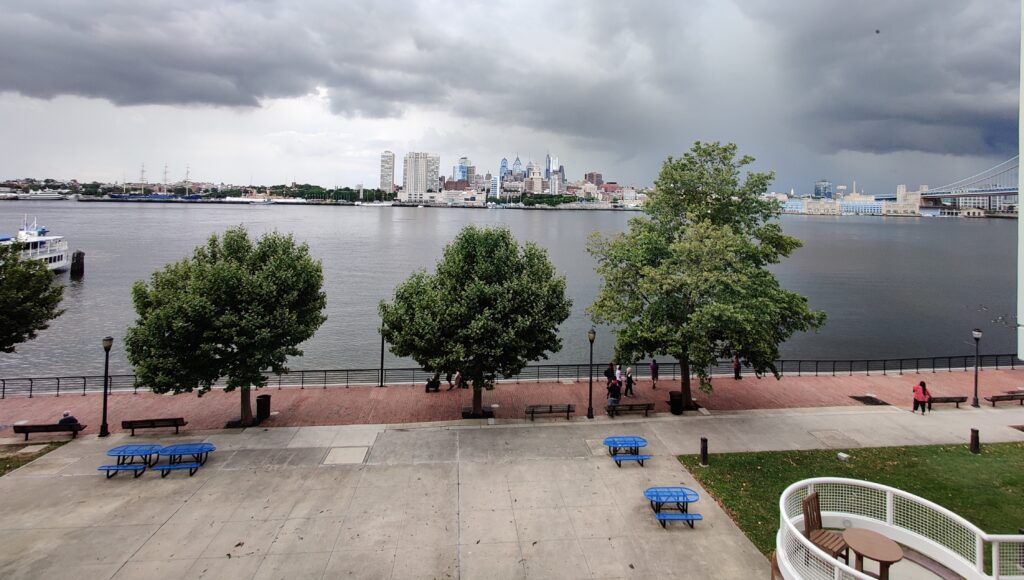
(987, 489)
(10, 459)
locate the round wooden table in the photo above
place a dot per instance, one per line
(868, 544)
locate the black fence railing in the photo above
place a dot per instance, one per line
(668, 371)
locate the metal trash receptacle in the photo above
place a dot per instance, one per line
(262, 408)
(675, 402)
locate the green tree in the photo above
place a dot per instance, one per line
(28, 297)
(691, 279)
(490, 307)
(234, 310)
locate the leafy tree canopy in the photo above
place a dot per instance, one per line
(29, 299)
(490, 308)
(234, 310)
(691, 280)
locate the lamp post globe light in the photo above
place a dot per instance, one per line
(107, 343)
(976, 333)
(591, 335)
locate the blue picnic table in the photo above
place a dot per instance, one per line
(199, 452)
(681, 497)
(630, 443)
(149, 454)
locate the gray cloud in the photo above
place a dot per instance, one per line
(631, 82)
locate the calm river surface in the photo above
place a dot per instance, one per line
(892, 287)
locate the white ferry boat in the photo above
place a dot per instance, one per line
(51, 250)
(42, 196)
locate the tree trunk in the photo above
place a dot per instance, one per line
(478, 399)
(688, 405)
(246, 420)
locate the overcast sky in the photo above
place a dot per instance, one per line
(272, 91)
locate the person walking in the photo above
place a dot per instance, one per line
(922, 398)
(629, 382)
(618, 373)
(737, 368)
(654, 373)
(609, 373)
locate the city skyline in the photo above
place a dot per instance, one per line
(275, 92)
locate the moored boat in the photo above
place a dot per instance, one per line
(37, 245)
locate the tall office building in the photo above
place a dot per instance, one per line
(517, 169)
(823, 188)
(595, 178)
(496, 186)
(555, 184)
(503, 170)
(387, 172)
(420, 177)
(461, 171)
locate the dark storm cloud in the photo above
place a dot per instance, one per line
(625, 79)
(916, 75)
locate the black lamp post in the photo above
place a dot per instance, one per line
(976, 333)
(381, 357)
(107, 343)
(591, 335)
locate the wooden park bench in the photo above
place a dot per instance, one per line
(629, 408)
(134, 424)
(957, 400)
(74, 428)
(993, 399)
(532, 410)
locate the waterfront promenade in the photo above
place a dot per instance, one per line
(410, 404)
(440, 501)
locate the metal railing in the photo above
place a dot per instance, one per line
(668, 371)
(924, 526)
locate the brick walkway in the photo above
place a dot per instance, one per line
(409, 404)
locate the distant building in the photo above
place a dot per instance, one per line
(387, 172)
(503, 170)
(535, 180)
(595, 178)
(555, 184)
(517, 169)
(823, 189)
(495, 186)
(420, 178)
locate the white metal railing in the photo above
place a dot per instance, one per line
(912, 521)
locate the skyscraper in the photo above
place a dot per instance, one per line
(554, 184)
(823, 188)
(495, 186)
(503, 170)
(595, 178)
(387, 172)
(420, 177)
(517, 169)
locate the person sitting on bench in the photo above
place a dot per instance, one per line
(614, 393)
(67, 419)
(434, 384)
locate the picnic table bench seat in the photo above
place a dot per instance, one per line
(994, 398)
(74, 428)
(532, 410)
(134, 424)
(112, 470)
(665, 517)
(612, 410)
(618, 459)
(957, 400)
(166, 468)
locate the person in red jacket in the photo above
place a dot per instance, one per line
(922, 398)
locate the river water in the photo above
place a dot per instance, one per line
(892, 287)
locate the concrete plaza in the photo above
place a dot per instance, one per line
(457, 500)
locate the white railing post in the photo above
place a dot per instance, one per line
(995, 560)
(889, 516)
(979, 553)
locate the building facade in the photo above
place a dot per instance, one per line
(823, 189)
(387, 172)
(420, 177)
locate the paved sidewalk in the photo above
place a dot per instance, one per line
(512, 501)
(410, 404)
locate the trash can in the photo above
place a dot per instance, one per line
(675, 402)
(262, 408)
